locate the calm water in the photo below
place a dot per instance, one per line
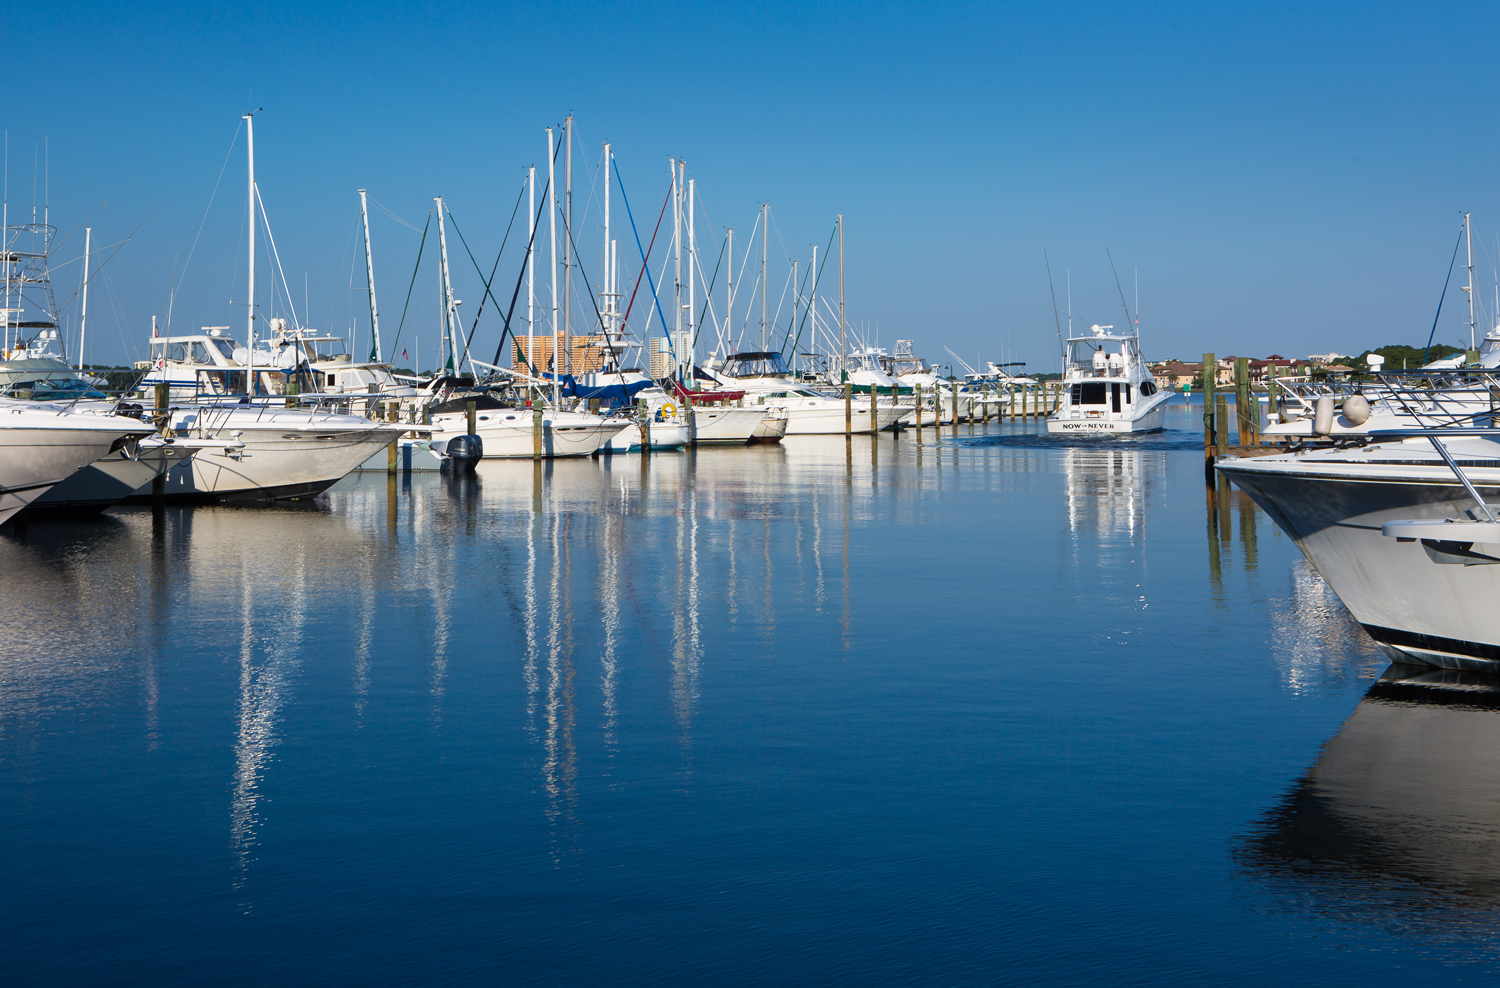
(990, 711)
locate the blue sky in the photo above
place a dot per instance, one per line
(1282, 178)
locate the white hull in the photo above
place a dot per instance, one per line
(825, 416)
(1427, 601)
(412, 456)
(1149, 419)
(113, 478)
(719, 424)
(664, 436)
(287, 453)
(41, 446)
(507, 432)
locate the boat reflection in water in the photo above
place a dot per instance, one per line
(1398, 823)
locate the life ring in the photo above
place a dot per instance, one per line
(668, 410)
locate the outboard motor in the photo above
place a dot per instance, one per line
(463, 453)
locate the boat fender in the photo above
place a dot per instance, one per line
(1323, 416)
(1357, 409)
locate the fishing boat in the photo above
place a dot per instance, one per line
(1404, 531)
(1107, 387)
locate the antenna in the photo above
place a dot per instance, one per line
(1117, 285)
(1055, 317)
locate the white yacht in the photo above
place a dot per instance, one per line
(42, 444)
(212, 365)
(1107, 387)
(767, 383)
(268, 451)
(1403, 531)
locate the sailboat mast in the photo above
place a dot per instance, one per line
(728, 291)
(843, 330)
(677, 260)
(692, 271)
(450, 337)
(531, 265)
(608, 298)
(552, 225)
(812, 331)
(1469, 289)
(83, 321)
(763, 232)
(567, 358)
(796, 297)
(250, 306)
(364, 213)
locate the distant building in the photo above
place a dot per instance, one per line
(1320, 359)
(585, 354)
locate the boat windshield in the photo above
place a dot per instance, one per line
(755, 365)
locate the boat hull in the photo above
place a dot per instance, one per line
(1421, 601)
(732, 426)
(507, 434)
(1151, 419)
(285, 454)
(665, 436)
(35, 459)
(111, 479)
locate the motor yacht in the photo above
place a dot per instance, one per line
(42, 444)
(1107, 387)
(1403, 529)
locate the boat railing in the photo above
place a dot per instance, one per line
(1451, 398)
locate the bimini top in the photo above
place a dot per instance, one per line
(755, 364)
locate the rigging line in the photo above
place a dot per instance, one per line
(422, 244)
(817, 279)
(1055, 317)
(111, 257)
(740, 275)
(779, 239)
(530, 245)
(266, 225)
(590, 289)
(488, 281)
(179, 275)
(380, 206)
(708, 294)
(1431, 334)
(334, 298)
(1136, 325)
(645, 255)
(779, 303)
(521, 277)
(59, 244)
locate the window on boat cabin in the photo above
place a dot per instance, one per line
(200, 353)
(1127, 394)
(225, 347)
(1114, 397)
(177, 352)
(1147, 389)
(1089, 393)
(332, 381)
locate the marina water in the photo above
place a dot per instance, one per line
(994, 709)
